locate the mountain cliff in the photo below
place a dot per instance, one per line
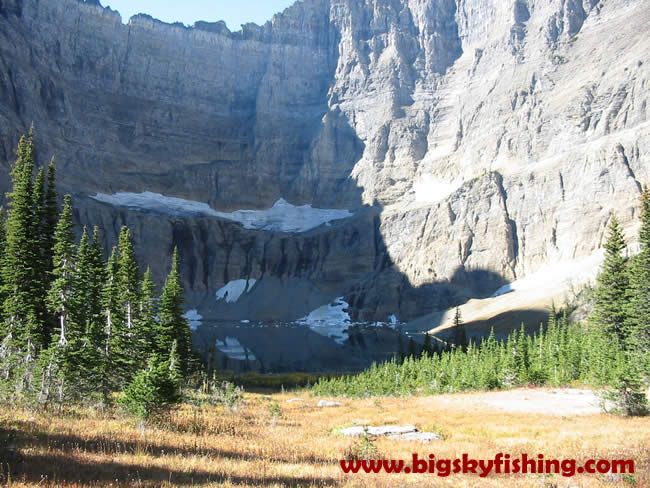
(461, 144)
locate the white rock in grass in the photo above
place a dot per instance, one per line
(384, 430)
(325, 403)
(393, 432)
(423, 437)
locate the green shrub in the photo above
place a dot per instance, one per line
(152, 391)
(275, 411)
(364, 448)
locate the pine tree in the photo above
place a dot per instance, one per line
(18, 260)
(401, 355)
(460, 336)
(634, 376)
(65, 366)
(427, 347)
(50, 214)
(609, 304)
(114, 326)
(174, 366)
(42, 266)
(90, 284)
(172, 325)
(3, 239)
(412, 348)
(129, 276)
(637, 324)
(38, 202)
(153, 389)
(88, 302)
(124, 339)
(147, 310)
(60, 298)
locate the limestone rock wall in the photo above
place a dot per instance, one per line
(490, 138)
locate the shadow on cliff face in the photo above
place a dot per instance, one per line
(503, 324)
(390, 292)
(241, 146)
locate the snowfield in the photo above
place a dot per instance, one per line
(234, 290)
(281, 217)
(329, 320)
(551, 285)
(560, 275)
(431, 190)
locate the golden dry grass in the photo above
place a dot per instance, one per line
(214, 447)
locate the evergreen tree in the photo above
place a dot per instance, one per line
(172, 326)
(60, 298)
(88, 303)
(128, 275)
(22, 330)
(460, 336)
(427, 347)
(113, 325)
(146, 323)
(123, 294)
(90, 283)
(42, 266)
(152, 391)
(50, 214)
(65, 366)
(633, 377)
(174, 366)
(3, 239)
(401, 355)
(38, 202)
(637, 323)
(458, 321)
(412, 348)
(609, 304)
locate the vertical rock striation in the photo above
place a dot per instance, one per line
(490, 138)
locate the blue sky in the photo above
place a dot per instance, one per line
(234, 12)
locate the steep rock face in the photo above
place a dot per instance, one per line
(490, 138)
(216, 252)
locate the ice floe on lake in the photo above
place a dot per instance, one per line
(233, 290)
(281, 217)
(330, 320)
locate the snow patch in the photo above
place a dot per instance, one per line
(329, 320)
(558, 276)
(233, 291)
(432, 190)
(281, 217)
(156, 202)
(232, 348)
(195, 318)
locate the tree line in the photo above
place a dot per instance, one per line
(73, 325)
(612, 349)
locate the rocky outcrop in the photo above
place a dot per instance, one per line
(476, 141)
